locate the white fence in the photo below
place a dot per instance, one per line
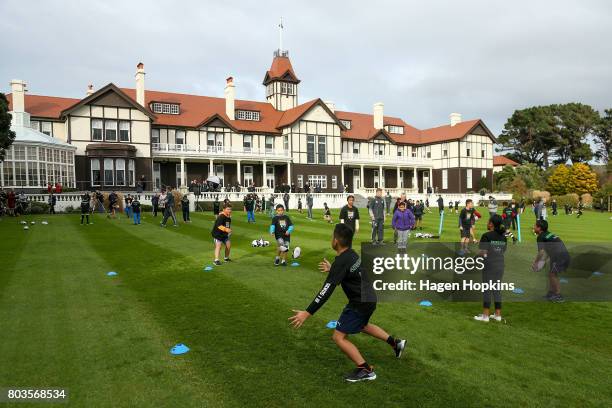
(333, 200)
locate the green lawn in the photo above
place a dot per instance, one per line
(64, 323)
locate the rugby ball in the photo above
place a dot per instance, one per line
(266, 243)
(26, 228)
(297, 252)
(255, 243)
(33, 222)
(283, 248)
(23, 222)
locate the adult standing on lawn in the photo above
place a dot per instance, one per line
(376, 209)
(440, 202)
(309, 203)
(113, 199)
(85, 208)
(185, 208)
(155, 204)
(52, 201)
(286, 200)
(136, 210)
(492, 206)
(11, 202)
(388, 202)
(169, 210)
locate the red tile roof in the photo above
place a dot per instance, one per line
(196, 109)
(279, 68)
(503, 160)
(45, 106)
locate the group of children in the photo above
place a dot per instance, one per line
(281, 228)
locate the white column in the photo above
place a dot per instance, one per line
(289, 173)
(264, 184)
(415, 179)
(381, 178)
(398, 178)
(182, 172)
(238, 171)
(211, 168)
(362, 179)
(342, 175)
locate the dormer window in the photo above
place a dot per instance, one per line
(247, 115)
(399, 130)
(346, 123)
(166, 108)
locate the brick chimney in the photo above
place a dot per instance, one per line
(140, 84)
(378, 115)
(230, 97)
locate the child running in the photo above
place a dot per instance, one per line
(281, 227)
(221, 233)
(465, 224)
(355, 318)
(327, 213)
(552, 247)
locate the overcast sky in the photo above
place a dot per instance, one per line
(423, 59)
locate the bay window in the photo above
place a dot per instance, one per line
(120, 172)
(109, 179)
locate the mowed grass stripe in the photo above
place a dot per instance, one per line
(69, 325)
(242, 336)
(477, 351)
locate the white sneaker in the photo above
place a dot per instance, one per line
(495, 317)
(482, 318)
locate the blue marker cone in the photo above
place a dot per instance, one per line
(208, 268)
(563, 280)
(425, 303)
(112, 273)
(331, 324)
(597, 273)
(295, 264)
(180, 348)
(518, 291)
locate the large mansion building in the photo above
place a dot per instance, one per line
(118, 136)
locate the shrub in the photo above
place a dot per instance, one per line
(565, 199)
(587, 200)
(536, 195)
(37, 207)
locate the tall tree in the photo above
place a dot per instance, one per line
(559, 182)
(530, 134)
(583, 179)
(603, 136)
(574, 122)
(6, 134)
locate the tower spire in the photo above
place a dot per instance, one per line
(280, 36)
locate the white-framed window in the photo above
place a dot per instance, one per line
(322, 150)
(35, 124)
(109, 172)
(269, 144)
(428, 152)
(467, 152)
(482, 153)
(247, 115)
(247, 143)
(376, 180)
(334, 182)
(97, 127)
(379, 149)
(356, 146)
(444, 179)
(400, 151)
(110, 130)
(468, 178)
(286, 143)
(179, 136)
(269, 89)
(220, 172)
(300, 181)
(290, 89)
(414, 151)
(46, 128)
(214, 142)
(346, 123)
(156, 175)
(247, 178)
(395, 129)
(310, 149)
(124, 131)
(131, 173)
(167, 108)
(445, 152)
(284, 87)
(120, 172)
(154, 135)
(317, 180)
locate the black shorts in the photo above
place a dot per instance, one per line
(418, 217)
(351, 321)
(557, 267)
(465, 232)
(221, 240)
